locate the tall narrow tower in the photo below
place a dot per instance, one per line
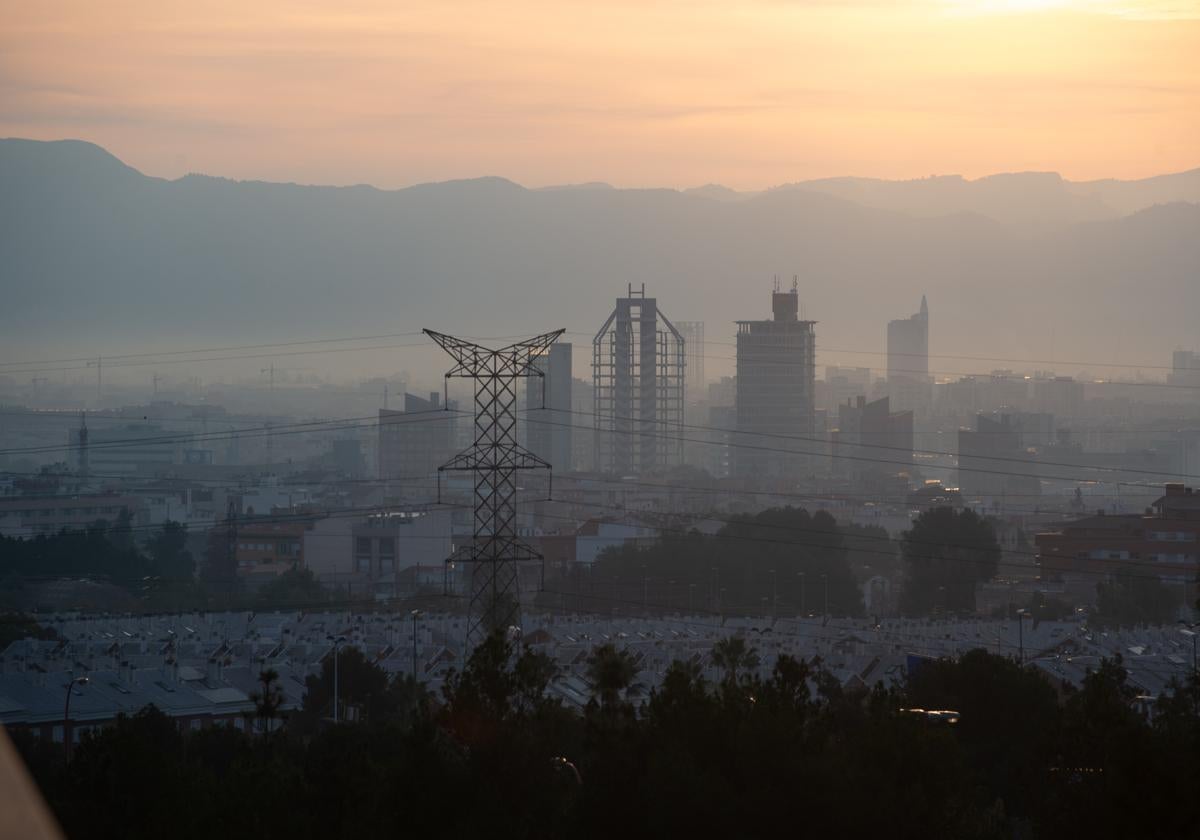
(909, 385)
(638, 370)
(494, 458)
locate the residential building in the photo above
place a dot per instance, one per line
(774, 401)
(1164, 541)
(23, 516)
(364, 556)
(549, 418)
(414, 442)
(871, 441)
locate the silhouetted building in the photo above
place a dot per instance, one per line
(776, 364)
(909, 385)
(548, 416)
(638, 370)
(1061, 396)
(413, 443)
(871, 440)
(994, 462)
(1165, 542)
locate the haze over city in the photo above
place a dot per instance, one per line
(583, 419)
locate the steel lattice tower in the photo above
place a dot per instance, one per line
(494, 458)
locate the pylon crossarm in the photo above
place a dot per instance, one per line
(489, 457)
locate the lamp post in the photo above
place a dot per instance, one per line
(67, 716)
(774, 596)
(1021, 613)
(803, 598)
(825, 581)
(415, 614)
(336, 643)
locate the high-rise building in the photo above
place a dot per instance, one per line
(638, 370)
(776, 371)
(995, 463)
(414, 442)
(909, 385)
(872, 441)
(548, 414)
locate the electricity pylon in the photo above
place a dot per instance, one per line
(494, 458)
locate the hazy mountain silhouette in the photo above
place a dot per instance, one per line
(1024, 198)
(92, 250)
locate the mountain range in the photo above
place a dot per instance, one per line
(94, 254)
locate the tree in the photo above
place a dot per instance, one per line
(170, 559)
(360, 681)
(1133, 596)
(295, 587)
(733, 655)
(611, 673)
(268, 699)
(946, 553)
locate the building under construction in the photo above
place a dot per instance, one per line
(775, 380)
(638, 375)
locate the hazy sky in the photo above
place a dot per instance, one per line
(634, 92)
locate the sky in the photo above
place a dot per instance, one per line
(632, 92)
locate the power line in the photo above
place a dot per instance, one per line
(247, 432)
(909, 464)
(823, 441)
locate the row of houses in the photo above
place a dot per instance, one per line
(203, 669)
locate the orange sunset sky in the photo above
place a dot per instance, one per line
(636, 93)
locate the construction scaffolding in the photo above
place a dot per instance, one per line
(494, 459)
(638, 377)
(693, 337)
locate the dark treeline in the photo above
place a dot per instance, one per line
(788, 561)
(792, 754)
(159, 574)
(783, 559)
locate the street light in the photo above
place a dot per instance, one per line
(336, 643)
(825, 580)
(415, 614)
(803, 597)
(1021, 613)
(67, 716)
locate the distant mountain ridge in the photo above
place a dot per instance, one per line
(1014, 265)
